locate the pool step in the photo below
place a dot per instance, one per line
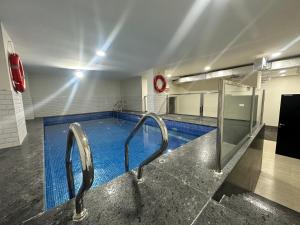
(262, 211)
(215, 214)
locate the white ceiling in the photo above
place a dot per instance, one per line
(180, 36)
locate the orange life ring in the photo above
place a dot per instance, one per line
(155, 83)
(17, 72)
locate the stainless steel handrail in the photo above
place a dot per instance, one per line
(119, 106)
(262, 107)
(220, 123)
(87, 166)
(156, 154)
(252, 112)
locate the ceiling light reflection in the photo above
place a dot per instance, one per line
(276, 54)
(207, 68)
(79, 74)
(114, 33)
(100, 53)
(282, 71)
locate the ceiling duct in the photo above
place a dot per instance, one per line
(234, 73)
(285, 63)
(237, 73)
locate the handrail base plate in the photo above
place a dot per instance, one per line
(80, 216)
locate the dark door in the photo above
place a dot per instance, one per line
(288, 139)
(172, 105)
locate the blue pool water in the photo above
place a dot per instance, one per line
(106, 138)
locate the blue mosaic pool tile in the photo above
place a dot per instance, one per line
(107, 148)
(189, 128)
(106, 140)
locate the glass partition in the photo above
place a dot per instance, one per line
(236, 108)
(194, 104)
(240, 110)
(237, 115)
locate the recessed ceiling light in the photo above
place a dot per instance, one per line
(276, 54)
(100, 53)
(207, 68)
(169, 75)
(282, 71)
(79, 74)
(282, 75)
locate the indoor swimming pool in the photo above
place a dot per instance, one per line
(106, 134)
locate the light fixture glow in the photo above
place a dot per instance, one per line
(100, 53)
(276, 54)
(282, 71)
(283, 75)
(169, 75)
(79, 74)
(207, 68)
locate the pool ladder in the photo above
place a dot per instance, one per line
(156, 154)
(87, 166)
(76, 133)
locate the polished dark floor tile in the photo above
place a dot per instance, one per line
(159, 199)
(21, 179)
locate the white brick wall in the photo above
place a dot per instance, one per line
(12, 120)
(131, 91)
(59, 105)
(20, 115)
(27, 102)
(134, 103)
(62, 94)
(157, 103)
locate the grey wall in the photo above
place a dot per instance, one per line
(245, 174)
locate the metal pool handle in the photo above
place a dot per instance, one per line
(156, 154)
(87, 167)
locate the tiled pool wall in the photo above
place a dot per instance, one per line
(189, 128)
(52, 120)
(185, 127)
